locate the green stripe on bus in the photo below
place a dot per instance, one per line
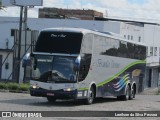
(119, 73)
(83, 89)
(116, 75)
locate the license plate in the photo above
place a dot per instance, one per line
(50, 94)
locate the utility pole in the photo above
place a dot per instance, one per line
(19, 43)
(25, 29)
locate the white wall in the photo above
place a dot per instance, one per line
(112, 27)
(6, 24)
(152, 39)
(135, 31)
(41, 23)
(6, 72)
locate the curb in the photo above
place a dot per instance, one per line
(150, 91)
(14, 91)
(1, 90)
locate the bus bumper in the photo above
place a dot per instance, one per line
(58, 94)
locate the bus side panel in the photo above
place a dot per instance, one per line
(111, 74)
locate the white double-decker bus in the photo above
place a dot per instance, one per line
(76, 63)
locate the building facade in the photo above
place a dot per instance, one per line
(69, 13)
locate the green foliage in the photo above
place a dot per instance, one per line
(23, 87)
(14, 87)
(3, 86)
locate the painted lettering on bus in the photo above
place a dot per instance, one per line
(58, 36)
(106, 64)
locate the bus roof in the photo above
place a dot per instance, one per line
(85, 31)
(67, 29)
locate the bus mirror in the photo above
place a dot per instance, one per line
(26, 60)
(77, 63)
(78, 60)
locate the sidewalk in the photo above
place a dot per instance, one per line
(149, 91)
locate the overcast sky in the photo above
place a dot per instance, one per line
(145, 9)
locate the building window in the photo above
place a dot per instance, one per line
(7, 66)
(128, 37)
(139, 39)
(147, 51)
(155, 51)
(131, 37)
(151, 51)
(124, 36)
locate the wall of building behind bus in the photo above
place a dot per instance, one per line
(132, 31)
(152, 39)
(8, 23)
(28, 41)
(7, 68)
(152, 77)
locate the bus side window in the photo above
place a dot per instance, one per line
(84, 66)
(82, 72)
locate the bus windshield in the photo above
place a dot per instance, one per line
(53, 68)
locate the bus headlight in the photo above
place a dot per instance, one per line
(69, 89)
(35, 86)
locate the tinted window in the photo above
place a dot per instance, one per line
(113, 47)
(84, 66)
(59, 42)
(86, 55)
(105, 46)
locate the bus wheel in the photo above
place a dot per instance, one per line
(126, 96)
(132, 94)
(51, 99)
(91, 95)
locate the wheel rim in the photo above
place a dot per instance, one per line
(127, 94)
(132, 93)
(91, 96)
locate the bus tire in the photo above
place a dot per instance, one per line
(126, 96)
(132, 94)
(51, 99)
(91, 96)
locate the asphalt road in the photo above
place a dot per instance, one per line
(25, 102)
